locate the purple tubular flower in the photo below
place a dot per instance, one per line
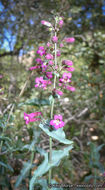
(49, 56)
(50, 62)
(31, 117)
(41, 83)
(57, 122)
(58, 53)
(1, 76)
(61, 23)
(55, 39)
(48, 44)
(61, 45)
(65, 78)
(39, 61)
(71, 88)
(41, 47)
(67, 62)
(71, 69)
(35, 67)
(44, 66)
(60, 93)
(1, 91)
(69, 40)
(46, 23)
(41, 51)
(49, 75)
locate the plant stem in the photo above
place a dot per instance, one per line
(52, 110)
(95, 175)
(31, 161)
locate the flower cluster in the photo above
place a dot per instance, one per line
(50, 71)
(45, 61)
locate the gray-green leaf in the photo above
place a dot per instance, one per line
(57, 155)
(58, 134)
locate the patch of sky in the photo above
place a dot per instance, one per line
(1, 7)
(78, 22)
(83, 8)
(21, 52)
(31, 22)
(13, 18)
(9, 41)
(103, 10)
(88, 15)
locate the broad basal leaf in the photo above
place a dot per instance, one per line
(24, 171)
(57, 155)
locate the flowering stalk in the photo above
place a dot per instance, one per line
(52, 110)
(59, 76)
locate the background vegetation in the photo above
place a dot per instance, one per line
(83, 110)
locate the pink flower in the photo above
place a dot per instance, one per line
(41, 47)
(65, 78)
(35, 67)
(50, 62)
(44, 65)
(1, 91)
(59, 92)
(69, 40)
(46, 23)
(56, 67)
(40, 82)
(48, 44)
(71, 88)
(31, 117)
(39, 61)
(1, 76)
(58, 53)
(61, 23)
(61, 45)
(71, 69)
(49, 75)
(60, 84)
(55, 39)
(49, 56)
(41, 51)
(57, 122)
(67, 62)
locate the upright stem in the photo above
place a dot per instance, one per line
(31, 160)
(52, 110)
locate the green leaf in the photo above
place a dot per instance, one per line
(42, 182)
(6, 166)
(35, 102)
(5, 138)
(24, 171)
(99, 147)
(30, 146)
(57, 155)
(58, 134)
(44, 185)
(51, 99)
